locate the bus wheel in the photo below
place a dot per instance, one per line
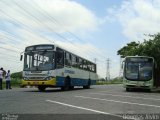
(87, 86)
(71, 87)
(67, 83)
(128, 89)
(41, 88)
(148, 90)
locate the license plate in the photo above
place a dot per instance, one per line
(36, 83)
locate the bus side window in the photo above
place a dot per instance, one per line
(80, 63)
(73, 60)
(93, 68)
(84, 64)
(90, 67)
(77, 62)
(67, 59)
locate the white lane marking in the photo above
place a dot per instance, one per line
(140, 94)
(119, 101)
(125, 96)
(88, 109)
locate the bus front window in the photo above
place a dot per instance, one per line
(132, 70)
(145, 71)
(40, 60)
(139, 70)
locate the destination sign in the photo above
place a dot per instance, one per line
(40, 47)
(136, 59)
(29, 48)
(44, 47)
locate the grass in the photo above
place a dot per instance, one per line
(15, 82)
(117, 81)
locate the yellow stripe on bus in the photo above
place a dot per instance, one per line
(39, 82)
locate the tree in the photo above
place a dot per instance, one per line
(149, 47)
(130, 50)
(16, 75)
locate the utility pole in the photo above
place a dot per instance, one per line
(108, 69)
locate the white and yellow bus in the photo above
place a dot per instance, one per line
(48, 65)
(140, 72)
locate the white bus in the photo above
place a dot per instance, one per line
(140, 72)
(48, 65)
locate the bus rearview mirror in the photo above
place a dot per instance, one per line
(21, 58)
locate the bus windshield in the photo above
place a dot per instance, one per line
(39, 60)
(139, 70)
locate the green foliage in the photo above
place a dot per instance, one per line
(149, 47)
(17, 75)
(113, 81)
(131, 49)
(15, 82)
(117, 80)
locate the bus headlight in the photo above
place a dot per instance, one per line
(25, 78)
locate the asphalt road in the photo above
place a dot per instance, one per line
(99, 102)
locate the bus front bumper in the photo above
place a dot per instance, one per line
(144, 85)
(51, 82)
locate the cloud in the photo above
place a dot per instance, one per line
(25, 23)
(137, 17)
(82, 49)
(51, 15)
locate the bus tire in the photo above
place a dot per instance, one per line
(87, 86)
(71, 87)
(148, 90)
(41, 88)
(128, 89)
(67, 84)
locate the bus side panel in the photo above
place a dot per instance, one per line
(78, 82)
(93, 82)
(81, 82)
(60, 81)
(74, 81)
(93, 78)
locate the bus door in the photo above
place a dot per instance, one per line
(59, 58)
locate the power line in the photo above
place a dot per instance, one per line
(47, 27)
(27, 27)
(11, 60)
(9, 35)
(56, 22)
(10, 50)
(40, 22)
(6, 53)
(10, 44)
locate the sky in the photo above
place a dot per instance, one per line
(92, 29)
